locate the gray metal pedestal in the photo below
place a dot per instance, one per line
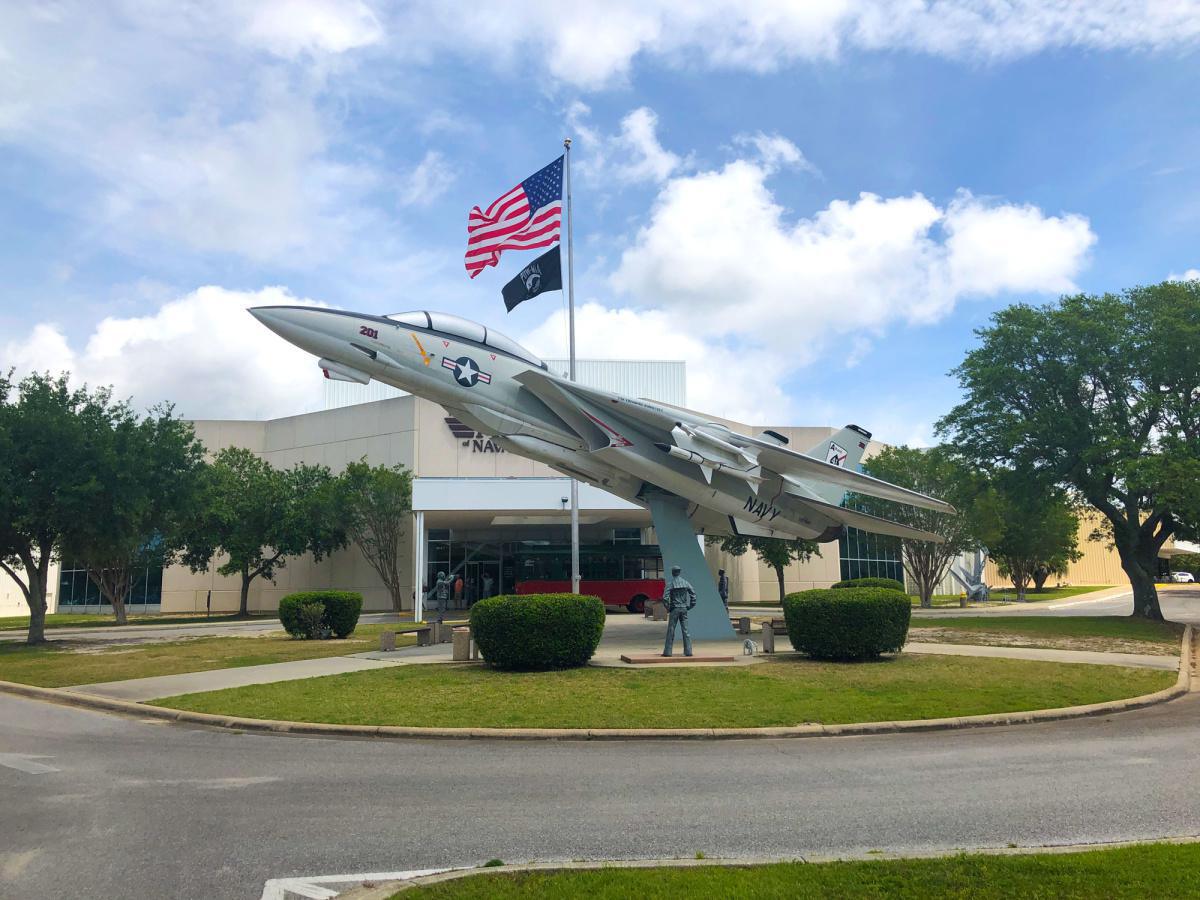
(709, 621)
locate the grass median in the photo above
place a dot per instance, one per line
(1113, 634)
(1149, 871)
(100, 620)
(66, 662)
(784, 692)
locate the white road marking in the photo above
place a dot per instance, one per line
(322, 887)
(24, 762)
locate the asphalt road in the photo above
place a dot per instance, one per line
(102, 806)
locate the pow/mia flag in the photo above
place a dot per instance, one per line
(541, 275)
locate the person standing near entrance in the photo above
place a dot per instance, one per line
(458, 592)
(723, 587)
(441, 596)
(487, 584)
(679, 598)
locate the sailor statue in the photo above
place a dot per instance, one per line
(441, 596)
(679, 598)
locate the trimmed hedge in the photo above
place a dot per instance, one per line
(847, 623)
(890, 584)
(340, 616)
(537, 631)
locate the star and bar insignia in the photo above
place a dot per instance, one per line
(466, 372)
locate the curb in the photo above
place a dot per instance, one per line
(385, 889)
(141, 710)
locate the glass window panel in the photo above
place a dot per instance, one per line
(418, 319)
(508, 345)
(457, 325)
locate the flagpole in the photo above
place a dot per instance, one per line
(571, 346)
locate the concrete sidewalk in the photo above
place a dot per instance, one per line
(1086, 657)
(139, 689)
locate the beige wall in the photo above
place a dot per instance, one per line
(1099, 564)
(12, 601)
(383, 432)
(751, 581)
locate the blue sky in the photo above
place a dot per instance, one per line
(814, 206)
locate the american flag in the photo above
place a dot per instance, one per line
(528, 216)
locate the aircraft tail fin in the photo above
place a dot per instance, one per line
(845, 449)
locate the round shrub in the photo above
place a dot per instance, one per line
(340, 613)
(537, 631)
(890, 584)
(848, 623)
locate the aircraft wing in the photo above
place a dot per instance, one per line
(770, 456)
(873, 524)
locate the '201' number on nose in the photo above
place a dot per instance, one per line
(369, 332)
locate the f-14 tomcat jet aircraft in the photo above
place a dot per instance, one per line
(684, 467)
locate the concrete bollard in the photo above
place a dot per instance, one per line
(768, 638)
(387, 641)
(461, 651)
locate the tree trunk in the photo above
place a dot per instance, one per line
(119, 611)
(244, 605)
(1139, 559)
(926, 590)
(1040, 574)
(779, 574)
(1145, 594)
(37, 574)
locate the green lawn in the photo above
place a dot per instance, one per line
(999, 595)
(66, 662)
(88, 620)
(1120, 633)
(783, 692)
(1149, 871)
(1008, 592)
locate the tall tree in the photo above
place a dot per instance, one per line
(1101, 395)
(147, 471)
(935, 472)
(1037, 533)
(259, 516)
(50, 441)
(778, 553)
(376, 505)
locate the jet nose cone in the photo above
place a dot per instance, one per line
(303, 326)
(274, 317)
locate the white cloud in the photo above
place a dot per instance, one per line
(601, 39)
(428, 181)
(261, 187)
(776, 152)
(719, 247)
(632, 156)
(1188, 275)
(202, 352)
(291, 27)
(183, 131)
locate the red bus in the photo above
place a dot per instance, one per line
(624, 576)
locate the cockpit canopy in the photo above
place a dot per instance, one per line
(459, 327)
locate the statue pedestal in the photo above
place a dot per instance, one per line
(654, 659)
